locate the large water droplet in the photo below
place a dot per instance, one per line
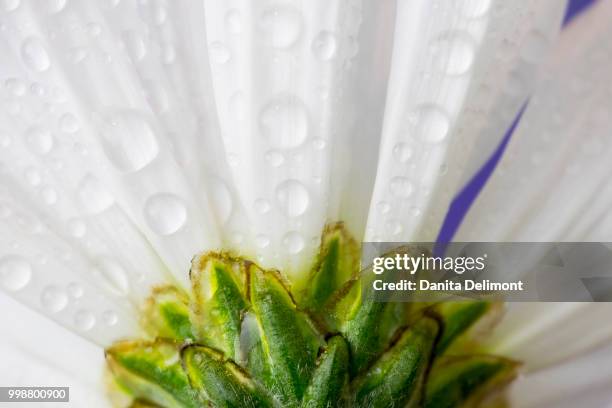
(294, 242)
(402, 152)
(129, 141)
(84, 320)
(35, 55)
(454, 52)
(165, 213)
(15, 272)
(281, 26)
(113, 275)
(53, 299)
(430, 123)
(284, 122)
(293, 198)
(324, 45)
(39, 140)
(93, 196)
(219, 53)
(401, 187)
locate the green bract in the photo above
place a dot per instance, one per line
(245, 338)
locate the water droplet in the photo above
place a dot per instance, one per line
(134, 44)
(48, 195)
(129, 141)
(383, 207)
(75, 290)
(77, 228)
(535, 46)
(430, 123)
(262, 240)
(165, 213)
(293, 198)
(110, 318)
(39, 140)
(53, 299)
(32, 176)
(454, 52)
(262, 206)
(93, 196)
(84, 320)
(476, 8)
(15, 86)
(35, 55)
(9, 5)
(324, 45)
(274, 158)
(318, 144)
(221, 199)
(284, 122)
(219, 53)
(394, 227)
(281, 26)
(55, 6)
(68, 123)
(15, 272)
(233, 21)
(401, 187)
(113, 275)
(402, 152)
(294, 242)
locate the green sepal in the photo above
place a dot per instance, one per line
(151, 371)
(337, 263)
(396, 379)
(167, 314)
(330, 377)
(456, 318)
(289, 342)
(223, 382)
(218, 287)
(466, 381)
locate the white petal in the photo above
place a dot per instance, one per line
(37, 352)
(460, 73)
(585, 381)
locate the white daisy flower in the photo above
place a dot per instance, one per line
(137, 134)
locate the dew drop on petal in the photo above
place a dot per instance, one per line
(110, 318)
(476, 8)
(454, 53)
(165, 213)
(39, 140)
(84, 320)
(55, 6)
(15, 272)
(280, 26)
(293, 242)
(402, 152)
(53, 299)
(401, 187)
(274, 158)
(75, 290)
(113, 275)
(34, 54)
(430, 123)
(262, 240)
(92, 195)
(324, 45)
(284, 122)
(221, 199)
(68, 123)
(261, 205)
(128, 140)
(383, 207)
(292, 197)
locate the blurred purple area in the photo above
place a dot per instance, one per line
(463, 201)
